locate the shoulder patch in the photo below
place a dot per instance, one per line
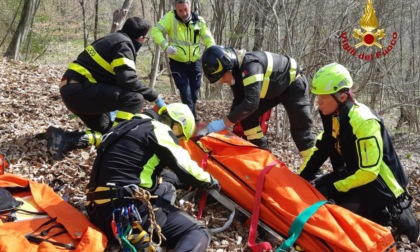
(244, 73)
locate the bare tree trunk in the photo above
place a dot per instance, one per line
(28, 44)
(219, 20)
(28, 12)
(259, 24)
(156, 55)
(120, 16)
(95, 31)
(85, 39)
(9, 29)
(241, 28)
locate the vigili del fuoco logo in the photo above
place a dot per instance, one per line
(368, 36)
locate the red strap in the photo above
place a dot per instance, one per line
(256, 212)
(204, 194)
(202, 205)
(204, 161)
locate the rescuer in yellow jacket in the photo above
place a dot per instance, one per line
(178, 33)
(367, 176)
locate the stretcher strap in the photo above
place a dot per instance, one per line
(297, 225)
(256, 212)
(202, 204)
(204, 194)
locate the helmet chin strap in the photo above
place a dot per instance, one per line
(174, 125)
(340, 104)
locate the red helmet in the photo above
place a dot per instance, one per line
(217, 60)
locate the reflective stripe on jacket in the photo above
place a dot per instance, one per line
(185, 37)
(110, 60)
(262, 75)
(139, 156)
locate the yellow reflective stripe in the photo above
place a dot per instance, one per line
(254, 133)
(123, 61)
(183, 42)
(181, 155)
(252, 79)
(98, 59)
(267, 75)
(123, 115)
(83, 71)
(95, 137)
(146, 174)
(293, 69)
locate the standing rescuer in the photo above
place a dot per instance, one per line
(134, 155)
(102, 79)
(183, 29)
(367, 176)
(259, 81)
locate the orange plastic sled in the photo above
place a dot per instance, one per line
(237, 165)
(79, 232)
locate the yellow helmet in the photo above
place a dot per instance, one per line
(330, 79)
(181, 114)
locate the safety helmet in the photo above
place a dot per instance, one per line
(181, 114)
(330, 79)
(216, 61)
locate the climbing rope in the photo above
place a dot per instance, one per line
(145, 196)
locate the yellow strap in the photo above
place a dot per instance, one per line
(100, 201)
(267, 75)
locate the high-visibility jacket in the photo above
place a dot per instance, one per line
(185, 37)
(111, 60)
(359, 146)
(138, 150)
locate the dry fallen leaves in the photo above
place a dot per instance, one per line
(30, 102)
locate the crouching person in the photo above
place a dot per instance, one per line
(367, 176)
(130, 160)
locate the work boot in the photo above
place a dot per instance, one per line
(406, 224)
(262, 142)
(59, 141)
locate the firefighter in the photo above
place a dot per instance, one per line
(134, 154)
(367, 176)
(103, 79)
(259, 81)
(184, 30)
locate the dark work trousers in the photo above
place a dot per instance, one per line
(361, 200)
(296, 101)
(93, 102)
(182, 232)
(187, 78)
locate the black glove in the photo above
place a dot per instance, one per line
(214, 184)
(328, 190)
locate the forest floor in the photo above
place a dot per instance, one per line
(30, 103)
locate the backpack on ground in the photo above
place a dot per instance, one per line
(43, 221)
